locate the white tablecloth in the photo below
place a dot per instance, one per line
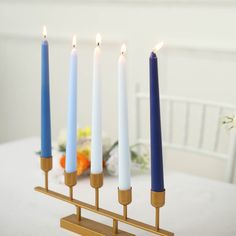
(194, 206)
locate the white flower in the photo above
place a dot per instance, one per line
(62, 138)
(106, 142)
(112, 162)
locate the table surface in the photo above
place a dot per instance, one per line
(194, 205)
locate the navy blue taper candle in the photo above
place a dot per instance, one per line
(157, 179)
(45, 101)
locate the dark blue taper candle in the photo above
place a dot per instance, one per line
(157, 179)
(45, 101)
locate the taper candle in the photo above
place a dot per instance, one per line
(157, 179)
(96, 139)
(71, 152)
(45, 99)
(123, 139)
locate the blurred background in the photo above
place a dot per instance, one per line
(197, 72)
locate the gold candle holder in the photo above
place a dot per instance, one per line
(158, 201)
(46, 166)
(125, 198)
(96, 182)
(70, 181)
(88, 227)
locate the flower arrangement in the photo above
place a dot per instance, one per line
(229, 122)
(139, 153)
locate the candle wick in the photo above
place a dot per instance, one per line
(98, 44)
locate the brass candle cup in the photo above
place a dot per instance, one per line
(46, 166)
(46, 163)
(70, 181)
(96, 182)
(125, 198)
(157, 201)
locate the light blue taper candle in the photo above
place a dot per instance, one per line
(71, 155)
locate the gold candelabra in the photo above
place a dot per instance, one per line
(87, 227)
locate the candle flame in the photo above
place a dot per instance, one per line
(98, 39)
(74, 41)
(158, 47)
(44, 32)
(123, 49)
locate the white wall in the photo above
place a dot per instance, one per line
(199, 59)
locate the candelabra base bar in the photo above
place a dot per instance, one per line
(112, 215)
(87, 227)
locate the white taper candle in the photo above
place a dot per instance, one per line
(96, 150)
(124, 152)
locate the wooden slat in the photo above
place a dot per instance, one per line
(169, 122)
(202, 126)
(142, 95)
(221, 156)
(186, 126)
(217, 134)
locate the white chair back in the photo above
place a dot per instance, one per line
(170, 104)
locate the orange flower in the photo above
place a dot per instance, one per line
(83, 163)
(63, 161)
(82, 160)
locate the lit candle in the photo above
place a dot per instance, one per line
(157, 179)
(71, 153)
(45, 100)
(123, 147)
(96, 149)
